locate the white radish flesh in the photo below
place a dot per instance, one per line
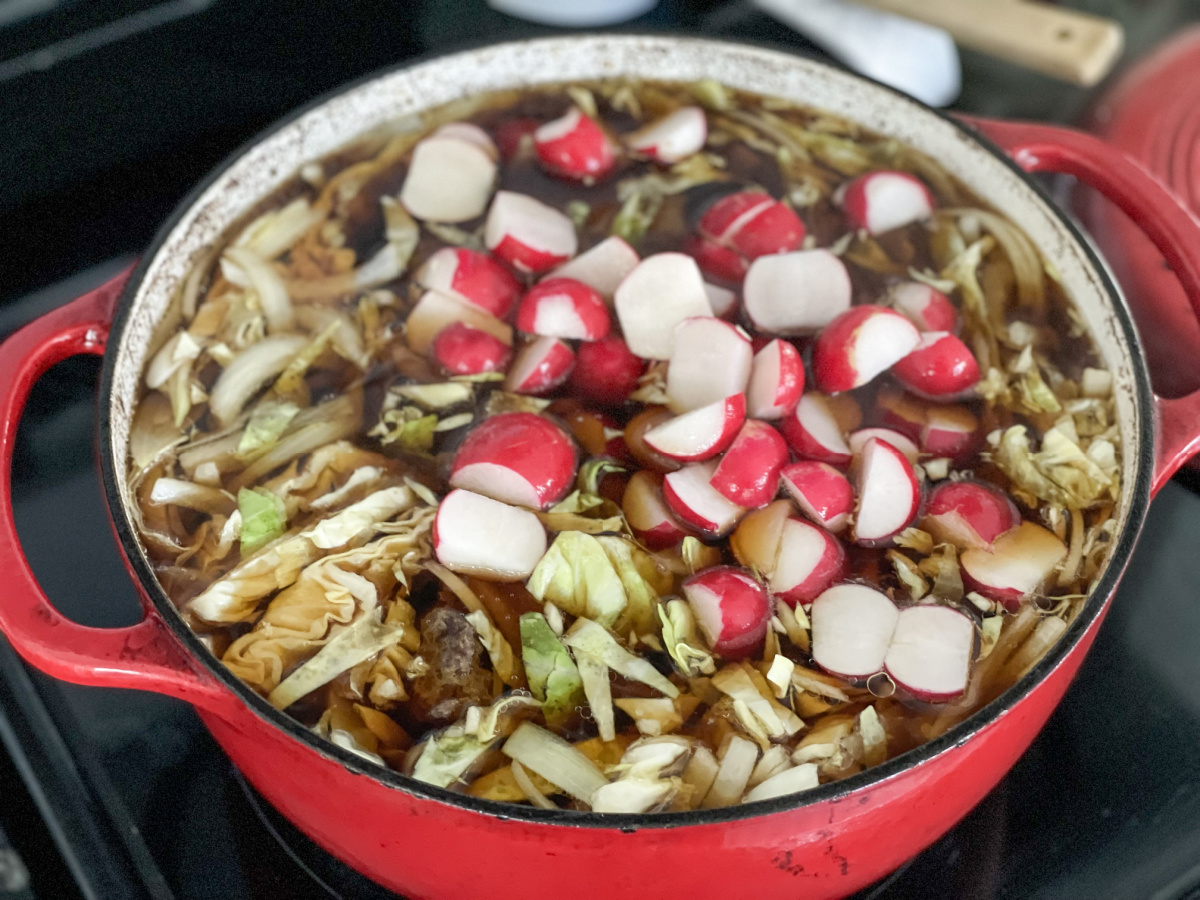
(540, 366)
(882, 201)
(449, 180)
(888, 493)
(517, 458)
(796, 293)
(603, 267)
(809, 560)
(476, 535)
(701, 433)
(435, 311)
(528, 234)
(776, 381)
(930, 652)
(674, 137)
(662, 291)
(1019, 563)
(813, 432)
(859, 345)
(858, 439)
(852, 627)
(563, 308)
(692, 498)
(647, 513)
(755, 543)
(731, 608)
(711, 360)
(823, 493)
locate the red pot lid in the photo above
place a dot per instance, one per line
(1153, 114)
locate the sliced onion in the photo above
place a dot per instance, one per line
(741, 755)
(296, 443)
(1027, 265)
(272, 233)
(177, 492)
(269, 285)
(555, 760)
(249, 371)
(529, 789)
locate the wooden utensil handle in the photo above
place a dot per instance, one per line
(1066, 44)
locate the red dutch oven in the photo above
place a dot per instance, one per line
(429, 843)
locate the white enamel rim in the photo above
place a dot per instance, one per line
(395, 100)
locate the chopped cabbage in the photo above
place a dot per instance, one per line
(577, 575)
(552, 674)
(264, 518)
(682, 642)
(596, 641)
(267, 423)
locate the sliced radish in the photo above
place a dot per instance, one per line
(725, 218)
(930, 652)
(888, 493)
(564, 308)
(722, 300)
(748, 473)
(852, 627)
(710, 360)
(968, 514)
(527, 234)
(796, 293)
(602, 267)
(634, 435)
(661, 291)
(881, 201)
(673, 137)
(691, 496)
(755, 543)
(606, 371)
(460, 349)
(858, 439)
(900, 411)
(574, 146)
(514, 137)
(518, 458)
(476, 535)
(716, 260)
(776, 381)
(472, 134)
(436, 311)
(812, 431)
(809, 560)
(540, 366)
(860, 344)
(940, 367)
(471, 276)
(926, 307)
(731, 608)
(823, 493)
(449, 180)
(701, 433)
(1019, 563)
(647, 513)
(951, 431)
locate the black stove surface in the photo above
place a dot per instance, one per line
(117, 794)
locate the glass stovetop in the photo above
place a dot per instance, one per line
(116, 794)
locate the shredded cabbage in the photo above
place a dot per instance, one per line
(264, 518)
(552, 674)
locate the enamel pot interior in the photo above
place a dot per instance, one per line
(394, 101)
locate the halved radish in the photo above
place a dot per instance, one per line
(661, 291)
(748, 473)
(449, 180)
(722, 300)
(731, 608)
(860, 344)
(796, 293)
(460, 349)
(968, 514)
(471, 276)
(647, 513)
(436, 311)
(540, 366)
(527, 234)
(776, 381)
(753, 224)
(809, 560)
(951, 431)
(574, 146)
(518, 458)
(564, 308)
(673, 137)
(930, 652)
(635, 432)
(691, 496)
(823, 493)
(716, 260)
(882, 200)
(755, 543)
(888, 493)
(472, 134)
(514, 137)
(900, 411)
(940, 367)
(858, 439)
(1018, 564)
(606, 371)
(724, 219)
(710, 360)
(852, 627)
(602, 267)
(701, 433)
(812, 431)
(926, 307)
(476, 535)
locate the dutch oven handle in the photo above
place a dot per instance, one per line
(1157, 211)
(147, 655)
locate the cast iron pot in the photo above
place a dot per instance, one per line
(430, 843)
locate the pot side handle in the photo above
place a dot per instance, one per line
(1173, 229)
(147, 655)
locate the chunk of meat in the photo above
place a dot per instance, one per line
(454, 677)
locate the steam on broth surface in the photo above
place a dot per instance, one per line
(627, 447)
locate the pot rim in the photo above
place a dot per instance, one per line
(959, 734)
